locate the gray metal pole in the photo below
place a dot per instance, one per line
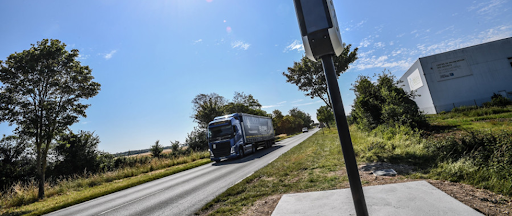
(344, 134)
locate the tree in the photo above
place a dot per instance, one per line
(310, 78)
(41, 94)
(77, 153)
(156, 149)
(243, 103)
(207, 107)
(384, 103)
(175, 146)
(277, 117)
(305, 117)
(15, 161)
(196, 139)
(325, 114)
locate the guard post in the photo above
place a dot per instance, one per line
(322, 40)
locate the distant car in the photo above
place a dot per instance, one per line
(304, 130)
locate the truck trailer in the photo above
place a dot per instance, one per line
(235, 135)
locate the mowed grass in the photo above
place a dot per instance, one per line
(81, 189)
(315, 164)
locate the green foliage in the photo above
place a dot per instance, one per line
(77, 154)
(41, 94)
(464, 109)
(197, 140)
(325, 114)
(384, 102)
(497, 100)
(299, 114)
(309, 76)
(156, 149)
(207, 107)
(175, 146)
(16, 164)
(277, 117)
(291, 123)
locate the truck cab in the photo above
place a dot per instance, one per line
(235, 135)
(225, 138)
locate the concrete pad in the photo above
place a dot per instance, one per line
(411, 198)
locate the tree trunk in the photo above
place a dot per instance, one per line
(41, 186)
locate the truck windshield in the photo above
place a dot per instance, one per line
(222, 132)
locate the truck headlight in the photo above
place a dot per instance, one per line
(232, 150)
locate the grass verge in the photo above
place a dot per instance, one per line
(315, 164)
(88, 191)
(482, 158)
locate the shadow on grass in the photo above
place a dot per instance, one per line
(258, 154)
(15, 213)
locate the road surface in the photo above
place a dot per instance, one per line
(186, 192)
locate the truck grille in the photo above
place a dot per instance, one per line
(222, 149)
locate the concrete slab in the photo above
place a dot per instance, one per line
(411, 198)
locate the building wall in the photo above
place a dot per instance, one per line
(467, 76)
(414, 79)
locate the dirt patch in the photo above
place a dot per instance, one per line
(264, 206)
(482, 200)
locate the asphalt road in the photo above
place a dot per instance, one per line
(186, 192)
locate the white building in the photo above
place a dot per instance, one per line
(462, 77)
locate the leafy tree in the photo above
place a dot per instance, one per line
(290, 124)
(156, 149)
(243, 103)
(384, 103)
(77, 153)
(15, 161)
(325, 114)
(277, 117)
(196, 139)
(207, 107)
(175, 146)
(310, 78)
(305, 117)
(497, 100)
(41, 94)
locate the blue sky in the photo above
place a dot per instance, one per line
(153, 57)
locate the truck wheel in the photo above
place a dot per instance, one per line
(254, 148)
(241, 152)
(216, 161)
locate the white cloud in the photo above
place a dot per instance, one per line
(296, 101)
(275, 105)
(366, 42)
(398, 51)
(197, 41)
(240, 45)
(270, 106)
(83, 57)
(491, 34)
(379, 45)
(381, 62)
(295, 45)
(488, 8)
(305, 104)
(110, 54)
(400, 35)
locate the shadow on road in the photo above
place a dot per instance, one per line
(258, 154)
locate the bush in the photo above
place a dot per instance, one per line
(497, 100)
(384, 103)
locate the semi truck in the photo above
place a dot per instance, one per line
(237, 134)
